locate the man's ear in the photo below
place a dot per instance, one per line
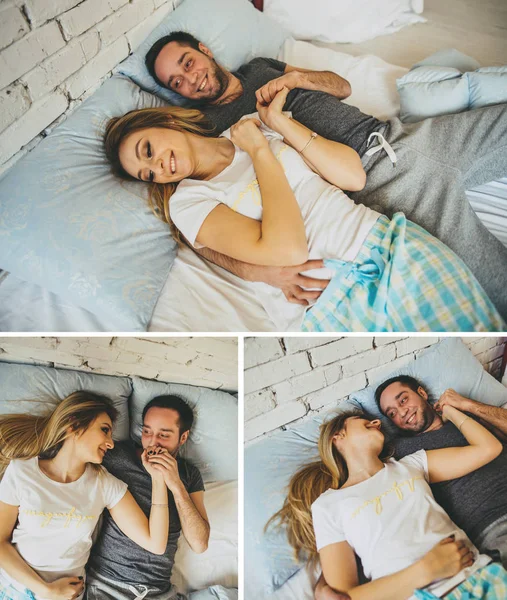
(205, 50)
(184, 437)
(422, 392)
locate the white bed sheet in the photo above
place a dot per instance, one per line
(199, 296)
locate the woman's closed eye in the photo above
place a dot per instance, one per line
(148, 150)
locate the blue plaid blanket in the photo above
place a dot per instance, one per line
(403, 279)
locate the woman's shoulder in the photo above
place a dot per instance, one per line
(327, 497)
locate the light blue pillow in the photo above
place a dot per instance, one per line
(448, 364)
(31, 389)
(487, 86)
(213, 442)
(449, 82)
(232, 29)
(68, 225)
(271, 461)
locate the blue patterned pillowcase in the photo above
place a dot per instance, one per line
(68, 225)
(33, 389)
(213, 443)
(232, 29)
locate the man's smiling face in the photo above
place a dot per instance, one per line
(408, 409)
(192, 73)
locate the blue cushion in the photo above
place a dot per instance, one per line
(31, 389)
(213, 442)
(449, 82)
(232, 29)
(271, 461)
(68, 225)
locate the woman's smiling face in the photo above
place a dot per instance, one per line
(157, 154)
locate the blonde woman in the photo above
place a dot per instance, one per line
(354, 500)
(271, 194)
(53, 492)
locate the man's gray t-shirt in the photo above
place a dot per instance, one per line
(473, 501)
(323, 113)
(115, 555)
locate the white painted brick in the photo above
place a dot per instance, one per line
(40, 11)
(97, 68)
(90, 43)
(273, 372)
(299, 386)
(25, 361)
(340, 349)
(11, 343)
(14, 101)
(477, 346)
(123, 20)
(166, 2)
(140, 32)
(216, 363)
(258, 403)
(333, 373)
(411, 344)
(495, 368)
(25, 54)
(51, 72)
(296, 344)
(5, 166)
(226, 348)
(275, 418)
(381, 340)
(261, 350)
(82, 17)
(368, 360)
(379, 374)
(337, 391)
(13, 25)
(490, 355)
(39, 116)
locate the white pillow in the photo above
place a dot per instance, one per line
(373, 80)
(343, 20)
(219, 564)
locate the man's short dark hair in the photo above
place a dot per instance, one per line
(182, 37)
(186, 414)
(407, 380)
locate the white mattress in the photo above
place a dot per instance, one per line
(199, 296)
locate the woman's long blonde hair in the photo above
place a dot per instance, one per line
(26, 436)
(307, 484)
(177, 118)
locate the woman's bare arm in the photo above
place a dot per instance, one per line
(449, 463)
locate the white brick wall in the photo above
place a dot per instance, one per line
(54, 53)
(208, 362)
(287, 378)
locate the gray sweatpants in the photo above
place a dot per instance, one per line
(437, 160)
(493, 541)
(99, 587)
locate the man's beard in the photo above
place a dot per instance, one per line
(221, 77)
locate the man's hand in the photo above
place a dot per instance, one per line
(451, 398)
(267, 92)
(168, 466)
(295, 287)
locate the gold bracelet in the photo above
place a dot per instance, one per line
(461, 424)
(312, 137)
(155, 504)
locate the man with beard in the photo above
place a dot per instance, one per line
(453, 152)
(477, 502)
(119, 569)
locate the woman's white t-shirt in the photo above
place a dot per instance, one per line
(335, 226)
(56, 520)
(390, 520)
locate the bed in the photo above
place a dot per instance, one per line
(198, 296)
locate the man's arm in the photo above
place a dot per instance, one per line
(296, 287)
(295, 77)
(493, 417)
(190, 507)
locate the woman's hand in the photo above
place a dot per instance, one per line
(446, 559)
(272, 113)
(452, 398)
(154, 470)
(65, 588)
(246, 135)
(168, 467)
